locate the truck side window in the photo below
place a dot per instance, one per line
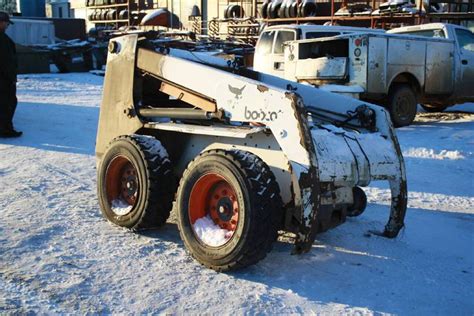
(465, 39)
(310, 35)
(428, 33)
(264, 45)
(282, 37)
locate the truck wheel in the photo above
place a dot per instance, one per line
(360, 202)
(402, 105)
(134, 183)
(433, 108)
(229, 209)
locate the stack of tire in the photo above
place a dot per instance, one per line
(91, 3)
(107, 15)
(273, 9)
(95, 15)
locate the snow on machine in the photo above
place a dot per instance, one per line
(242, 154)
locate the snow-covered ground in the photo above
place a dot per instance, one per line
(58, 255)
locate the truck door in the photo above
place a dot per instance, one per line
(278, 56)
(439, 70)
(263, 52)
(465, 40)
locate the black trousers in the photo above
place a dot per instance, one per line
(8, 102)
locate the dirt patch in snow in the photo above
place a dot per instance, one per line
(443, 116)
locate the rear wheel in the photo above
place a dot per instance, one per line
(229, 209)
(402, 105)
(433, 108)
(360, 202)
(135, 184)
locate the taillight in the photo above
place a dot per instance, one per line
(358, 42)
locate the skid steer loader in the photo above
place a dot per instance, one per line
(242, 154)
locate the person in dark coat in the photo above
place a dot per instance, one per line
(8, 70)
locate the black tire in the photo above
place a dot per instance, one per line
(308, 9)
(282, 10)
(123, 14)
(263, 10)
(234, 11)
(273, 9)
(433, 108)
(146, 196)
(259, 208)
(360, 202)
(225, 12)
(293, 9)
(402, 103)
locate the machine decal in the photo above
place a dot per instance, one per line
(236, 91)
(261, 115)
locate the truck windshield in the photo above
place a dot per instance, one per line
(465, 39)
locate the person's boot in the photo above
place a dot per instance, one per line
(11, 133)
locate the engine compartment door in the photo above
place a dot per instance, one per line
(317, 60)
(321, 68)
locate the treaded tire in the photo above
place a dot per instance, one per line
(260, 209)
(402, 105)
(273, 9)
(292, 10)
(307, 9)
(263, 9)
(153, 178)
(234, 11)
(282, 10)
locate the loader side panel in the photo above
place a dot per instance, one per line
(193, 141)
(117, 95)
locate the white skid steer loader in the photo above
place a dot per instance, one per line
(243, 154)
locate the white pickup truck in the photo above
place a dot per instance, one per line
(463, 62)
(397, 71)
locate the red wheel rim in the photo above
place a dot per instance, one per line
(213, 196)
(121, 184)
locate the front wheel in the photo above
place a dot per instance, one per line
(229, 209)
(402, 105)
